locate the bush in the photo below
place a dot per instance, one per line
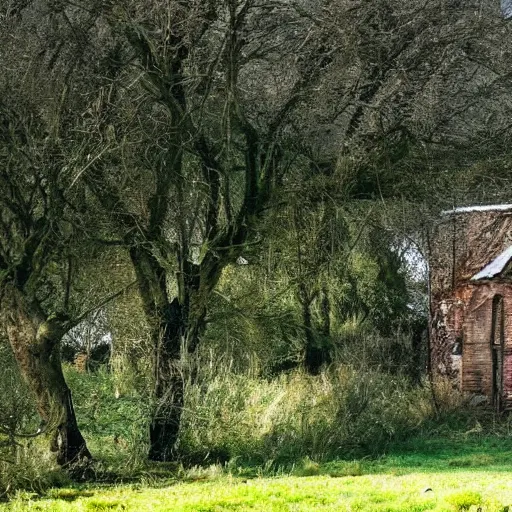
(463, 500)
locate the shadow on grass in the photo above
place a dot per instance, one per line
(416, 455)
(425, 455)
(69, 494)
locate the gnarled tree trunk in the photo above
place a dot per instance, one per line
(169, 383)
(165, 322)
(35, 341)
(175, 325)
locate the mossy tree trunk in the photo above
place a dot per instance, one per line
(316, 354)
(35, 340)
(164, 322)
(175, 326)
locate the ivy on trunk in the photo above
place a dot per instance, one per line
(35, 339)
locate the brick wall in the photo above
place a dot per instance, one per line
(477, 357)
(477, 368)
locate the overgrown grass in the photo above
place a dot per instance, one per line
(268, 426)
(32, 470)
(343, 413)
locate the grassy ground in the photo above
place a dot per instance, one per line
(463, 473)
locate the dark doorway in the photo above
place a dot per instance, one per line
(497, 343)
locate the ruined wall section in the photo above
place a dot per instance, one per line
(460, 246)
(477, 370)
(463, 243)
(447, 337)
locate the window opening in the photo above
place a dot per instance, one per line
(497, 339)
(497, 320)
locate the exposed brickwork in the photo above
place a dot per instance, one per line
(462, 310)
(80, 362)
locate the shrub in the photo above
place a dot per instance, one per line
(463, 500)
(114, 425)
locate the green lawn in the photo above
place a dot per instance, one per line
(474, 474)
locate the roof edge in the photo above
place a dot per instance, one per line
(478, 208)
(495, 267)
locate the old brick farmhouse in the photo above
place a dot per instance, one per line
(471, 301)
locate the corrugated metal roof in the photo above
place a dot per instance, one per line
(506, 8)
(496, 266)
(478, 208)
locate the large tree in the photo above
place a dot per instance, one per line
(200, 149)
(46, 228)
(35, 282)
(211, 111)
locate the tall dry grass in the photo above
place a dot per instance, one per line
(343, 412)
